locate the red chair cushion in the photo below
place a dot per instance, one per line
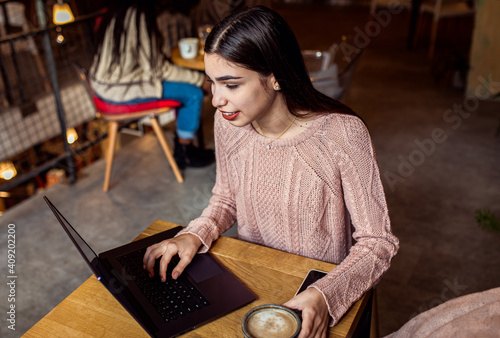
(124, 108)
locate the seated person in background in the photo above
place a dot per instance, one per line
(296, 170)
(130, 67)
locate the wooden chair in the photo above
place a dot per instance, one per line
(116, 113)
(331, 71)
(441, 9)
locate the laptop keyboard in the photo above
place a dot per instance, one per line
(174, 298)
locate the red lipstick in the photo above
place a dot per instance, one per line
(229, 116)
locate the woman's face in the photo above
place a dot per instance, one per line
(240, 94)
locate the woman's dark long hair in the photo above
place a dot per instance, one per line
(259, 39)
(117, 11)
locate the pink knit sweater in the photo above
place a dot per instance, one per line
(301, 196)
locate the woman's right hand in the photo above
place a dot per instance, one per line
(186, 245)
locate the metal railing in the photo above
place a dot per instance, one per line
(40, 96)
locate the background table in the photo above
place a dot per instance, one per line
(272, 275)
(197, 63)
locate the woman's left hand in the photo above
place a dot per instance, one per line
(315, 316)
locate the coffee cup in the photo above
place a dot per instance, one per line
(188, 48)
(270, 321)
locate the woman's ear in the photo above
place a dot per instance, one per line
(273, 83)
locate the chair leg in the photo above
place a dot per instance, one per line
(373, 7)
(432, 45)
(113, 131)
(166, 148)
(417, 30)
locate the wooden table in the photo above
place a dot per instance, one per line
(197, 63)
(272, 275)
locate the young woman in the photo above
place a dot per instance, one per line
(295, 168)
(129, 67)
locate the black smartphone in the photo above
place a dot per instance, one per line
(312, 276)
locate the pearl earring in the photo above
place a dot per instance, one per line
(277, 87)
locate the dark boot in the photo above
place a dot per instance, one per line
(191, 156)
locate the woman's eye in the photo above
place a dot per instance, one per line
(231, 86)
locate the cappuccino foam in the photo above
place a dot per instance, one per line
(271, 323)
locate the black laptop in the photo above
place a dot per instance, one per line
(203, 292)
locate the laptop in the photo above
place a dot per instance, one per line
(203, 292)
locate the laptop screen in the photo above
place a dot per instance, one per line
(85, 250)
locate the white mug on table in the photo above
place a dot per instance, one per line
(188, 48)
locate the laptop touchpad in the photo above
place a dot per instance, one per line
(203, 267)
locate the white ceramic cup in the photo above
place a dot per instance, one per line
(188, 48)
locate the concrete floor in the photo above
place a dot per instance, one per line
(432, 194)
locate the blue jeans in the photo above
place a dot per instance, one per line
(189, 113)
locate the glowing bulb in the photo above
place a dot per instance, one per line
(62, 14)
(7, 170)
(71, 135)
(8, 174)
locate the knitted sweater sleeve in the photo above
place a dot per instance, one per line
(220, 214)
(375, 245)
